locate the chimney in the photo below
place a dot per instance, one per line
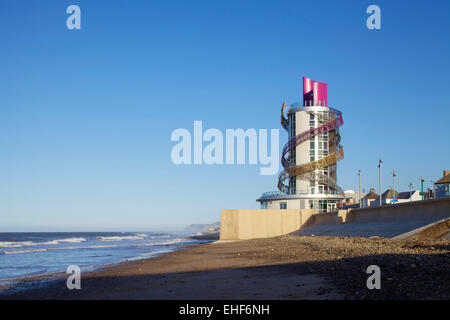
(446, 172)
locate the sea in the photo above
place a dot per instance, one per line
(33, 253)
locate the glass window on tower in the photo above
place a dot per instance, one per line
(292, 186)
(312, 121)
(292, 125)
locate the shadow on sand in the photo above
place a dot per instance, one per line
(402, 277)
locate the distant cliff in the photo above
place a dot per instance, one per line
(203, 228)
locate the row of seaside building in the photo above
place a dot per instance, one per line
(355, 200)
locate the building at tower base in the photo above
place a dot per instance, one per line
(309, 158)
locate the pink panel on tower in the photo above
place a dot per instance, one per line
(314, 91)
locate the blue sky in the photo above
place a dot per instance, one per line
(86, 115)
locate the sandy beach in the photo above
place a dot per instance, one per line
(286, 267)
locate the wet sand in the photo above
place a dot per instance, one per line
(286, 267)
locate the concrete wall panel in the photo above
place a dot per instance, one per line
(262, 223)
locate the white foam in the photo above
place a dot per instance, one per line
(18, 244)
(72, 240)
(174, 241)
(163, 243)
(24, 251)
(15, 244)
(95, 247)
(48, 242)
(149, 255)
(117, 238)
(57, 248)
(67, 240)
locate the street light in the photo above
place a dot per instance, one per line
(380, 162)
(421, 186)
(393, 183)
(359, 195)
(410, 191)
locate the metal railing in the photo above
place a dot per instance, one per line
(329, 122)
(305, 192)
(297, 106)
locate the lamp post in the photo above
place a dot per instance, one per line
(410, 191)
(380, 162)
(421, 186)
(393, 182)
(359, 194)
(364, 193)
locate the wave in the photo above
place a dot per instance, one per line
(51, 245)
(18, 244)
(72, 240)
(57, 248)
(24, 251)
(160, 236)
(163, 243)
(149, 254)
(68, 240)
(118, 238)
(15, 244)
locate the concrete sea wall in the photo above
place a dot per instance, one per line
(435, 209)
(241, 224)
(389, 220)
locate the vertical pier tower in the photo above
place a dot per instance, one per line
(309, 158)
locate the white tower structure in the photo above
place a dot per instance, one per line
(310, 157)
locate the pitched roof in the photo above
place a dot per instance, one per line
(371, 195)
(404, 195)
(445, 178)
(389, 194)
